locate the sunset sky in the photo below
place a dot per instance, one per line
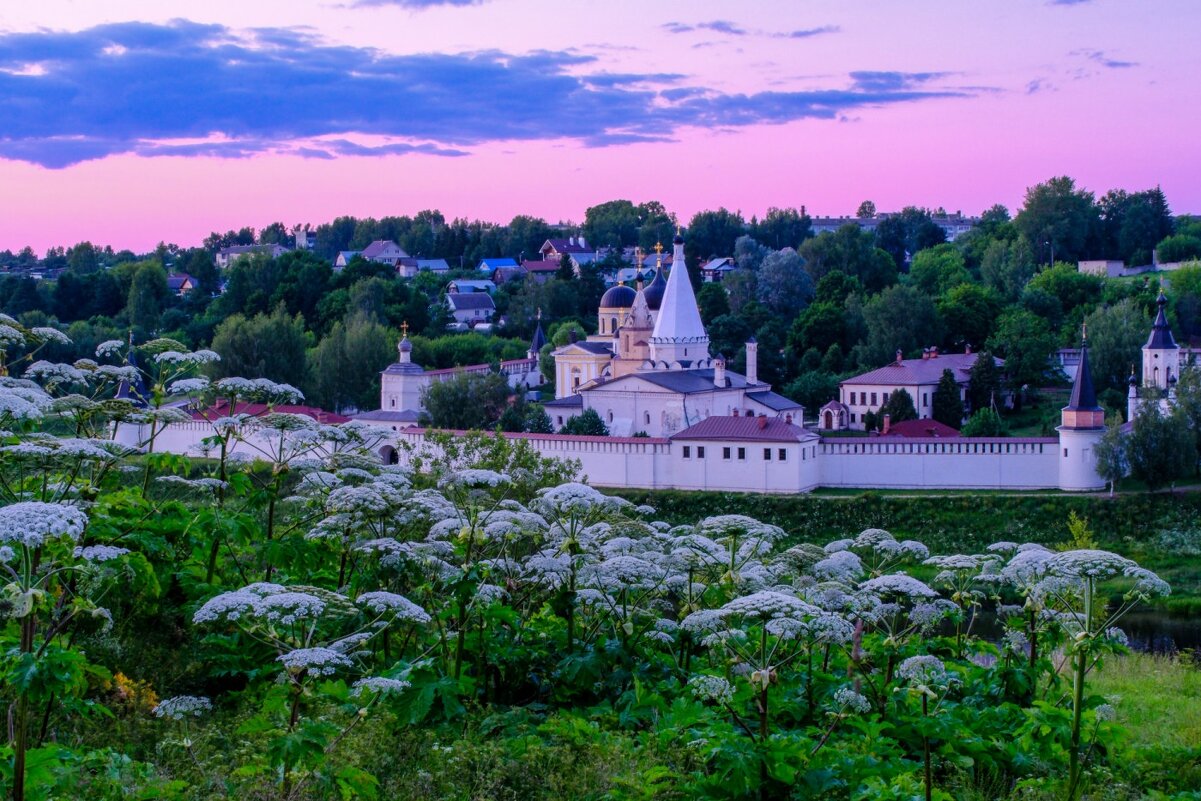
(127, 122)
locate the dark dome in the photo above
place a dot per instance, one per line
(406, 345)
(653, 292)
(618, 297)
(679, 240)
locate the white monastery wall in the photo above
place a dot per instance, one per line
(983, 463)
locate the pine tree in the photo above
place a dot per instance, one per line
(899, 407)
(948, 409)
(983, 380)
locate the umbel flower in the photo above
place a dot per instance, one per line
(31, 523)
(183, 706)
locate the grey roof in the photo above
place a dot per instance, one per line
(403, 416)
(571, 401)
(685, 382)
(919, 371)
(378, 246)
(773, 400)
(462, 301)
(592, 347)
(399, 368)
(1161, 333)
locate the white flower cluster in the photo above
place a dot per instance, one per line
(475, 479)
(10, 335)
(768, 604)
(45, 333)
(842, 566)
(52, 374)
(898, 585)
(31, 523)
(100, 553)
(319, 661)
(195, 358)
(110, 347)
(183, 706)
(260, 389)
(923, 671)
(188, 386)
(846, 698)
(714, 689)
(399, 606)
(378, 685)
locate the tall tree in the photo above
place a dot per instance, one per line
(782, 228)
(899, 407)
(147, 294)
(983, 382)
(899, 318)
(1115, 339)
(903, 234)
(264, 346)
(1058, 220)
(1025, 343)
(783, 285)
(1113, 459)
(466, 401)
(852, 251)
(938, 270)
(947, 407)
(344, 369)
(1160, 448)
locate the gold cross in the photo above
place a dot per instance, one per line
(404, 327)
(659, 248)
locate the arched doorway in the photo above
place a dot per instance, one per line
(829, 419)
(388, 455)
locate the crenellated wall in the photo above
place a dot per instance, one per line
(951, 463)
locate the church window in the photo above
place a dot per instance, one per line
(784, 454)
(873, 399)
(725, 454)
(1065, 453)
(884, 397)
(742, 454)
(852, 417)
(687, 452)
(394, 403)
(767, 454)
(646, 417)
(925, 399)
(560, 419)
(700, 451)
(610, 415)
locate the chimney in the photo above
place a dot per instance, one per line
(572, 336)
(788, 418)
(934, 352)
(752, 361)
(735, 412)
(762, 422)
(887, 424)
(968, 349)
(925, 354)
(900, 357)
(583, 244)
(719, 371)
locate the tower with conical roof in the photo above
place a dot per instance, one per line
(1161, 354)
(1082, 424)
(679, 341)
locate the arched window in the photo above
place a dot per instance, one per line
(610, 415)
(646, 416)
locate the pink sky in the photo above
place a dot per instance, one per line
(1103, 91)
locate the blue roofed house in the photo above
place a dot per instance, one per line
(344, 258)
(408, 267)
(492, 265)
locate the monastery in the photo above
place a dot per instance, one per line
(680, 420)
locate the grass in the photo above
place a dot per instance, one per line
(1160, 699)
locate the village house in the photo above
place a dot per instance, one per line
(227, 256)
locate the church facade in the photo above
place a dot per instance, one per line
(648, 369)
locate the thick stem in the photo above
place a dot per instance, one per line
(926, 749)
(21, 744)
(1081, 666)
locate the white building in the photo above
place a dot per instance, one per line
(648, 370)
(919, 377)
(227, 256)
(384, 251)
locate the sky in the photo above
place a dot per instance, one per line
(130, 122)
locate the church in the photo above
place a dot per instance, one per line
(648, 370)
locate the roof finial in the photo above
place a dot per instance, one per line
(538, 314)
(659, 248)
(404, 329)
(1083, 334)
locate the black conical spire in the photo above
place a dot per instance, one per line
(1161, 333)
(1084, 395)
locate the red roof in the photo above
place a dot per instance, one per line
(921, 428)
(221, 409)
(748, 429)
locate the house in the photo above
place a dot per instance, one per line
(716, 269)
(408, 267)
(555, 249)
(344, 258)
(542, 270)
(503, 275)
(227, 256)
(384, 251)
(469, 308)
(180, 284)
(492, 265)
(465, 286)
(869, 391)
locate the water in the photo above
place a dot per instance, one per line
(1149, 631)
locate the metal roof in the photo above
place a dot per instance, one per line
(745, 429)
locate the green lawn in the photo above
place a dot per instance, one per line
(1158, 699)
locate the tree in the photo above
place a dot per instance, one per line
(983, 381)
(866, 210)
(812, 389)
(784, 286)
(902, 235)
(262, 347)
(852, 251)
(82, 259)
(742, 286)
(947, 407)
(586, 424)
(1113, 461)
(1115, 339)
(969, 312)
(1007, 266)
(1132, 224)
(712, 301)
(566, 271)
(748, 253)
(1161, 447)
(821, 326)
(344, 369)
(1057, 219)
(899, 318)
(782, 228)
(938, 270)
(835, 287)
(713, 233)
(1072, 287)
(899, 407)
(985, 423)
(469, 401)
(611, 224)
(1025, 343)
(147, 294)
(1180, 247)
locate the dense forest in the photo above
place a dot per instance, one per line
(822, 307)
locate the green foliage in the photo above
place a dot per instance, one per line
(985, 423)
(1161, 448)
(588, 424)
(262, 347)
(465, 401)
(1025, 343)
(946, 407)
(899, 407)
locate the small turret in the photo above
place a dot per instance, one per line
(1161, 354)
(719, 371)
(1082, 410)
(1083, 425)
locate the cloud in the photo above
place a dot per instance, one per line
(733, 29)
(186, 89)
(414, 5)
(808, 33)
(1039, 85)
(1099, 57)
(1067, 2)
